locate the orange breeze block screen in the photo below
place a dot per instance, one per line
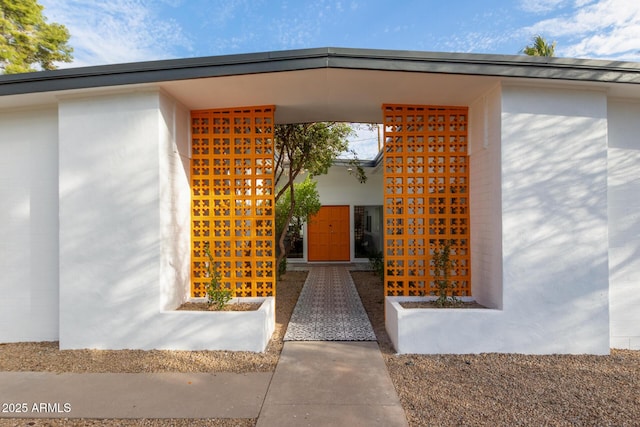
(232, 203)
(426, 197)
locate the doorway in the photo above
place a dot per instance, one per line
(329, 236)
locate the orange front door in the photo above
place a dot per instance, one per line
(329, 234)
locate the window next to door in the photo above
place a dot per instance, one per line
(367, 230)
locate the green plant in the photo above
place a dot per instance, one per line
(216, 293)
(282, 267)
(292, 211)
(28, 40)
(442, 266)
(376, 261)
(540, 47)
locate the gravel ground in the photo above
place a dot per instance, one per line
(46, 357)
(507, 389)
(442, 390)
(168, 422)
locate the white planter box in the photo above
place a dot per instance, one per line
(438, 330)
(220, 330)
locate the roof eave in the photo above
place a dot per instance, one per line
(508, 66)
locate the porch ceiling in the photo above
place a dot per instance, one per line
(329, 94)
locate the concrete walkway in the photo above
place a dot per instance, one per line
(163, 395)
(331, 384)
(316, 383)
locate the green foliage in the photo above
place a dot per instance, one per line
(307, 204)
(310, 146)
(442, 266)
(27, 39)
(355, 168)
(282, 266)
(377, 264)
(216, 293)
(540, 47)
(291, 214)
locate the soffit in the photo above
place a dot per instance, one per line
(329, 94)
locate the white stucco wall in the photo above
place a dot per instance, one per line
(124, 235)
(175, 202)
(29, 225)
(554, 210)
(624, 223)
(339, 187)
(485, 199)
(109, 220)
(553, 187)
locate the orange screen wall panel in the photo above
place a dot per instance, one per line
(426, 196)
(233, 213)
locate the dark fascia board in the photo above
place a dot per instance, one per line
(520, 66)
(159, 71)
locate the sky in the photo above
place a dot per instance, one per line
(119, 31)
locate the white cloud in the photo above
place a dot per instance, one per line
(541, 6)
(292, 32)
(473, 42)
(116, 31)
(173, 3)
(300, 27)
(220, 12)
(619, 43)
(601, 29)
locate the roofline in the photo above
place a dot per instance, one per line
(521, 66)
(365, 163)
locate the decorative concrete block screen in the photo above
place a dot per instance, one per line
(232, 213)
(426, 197)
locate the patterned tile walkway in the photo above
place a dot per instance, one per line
(329, 309)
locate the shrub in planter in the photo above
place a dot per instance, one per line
(442, 266)
(216, 293)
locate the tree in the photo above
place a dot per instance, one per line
(307, 204)
(310, 148)
(540, 47)
(27, 39)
